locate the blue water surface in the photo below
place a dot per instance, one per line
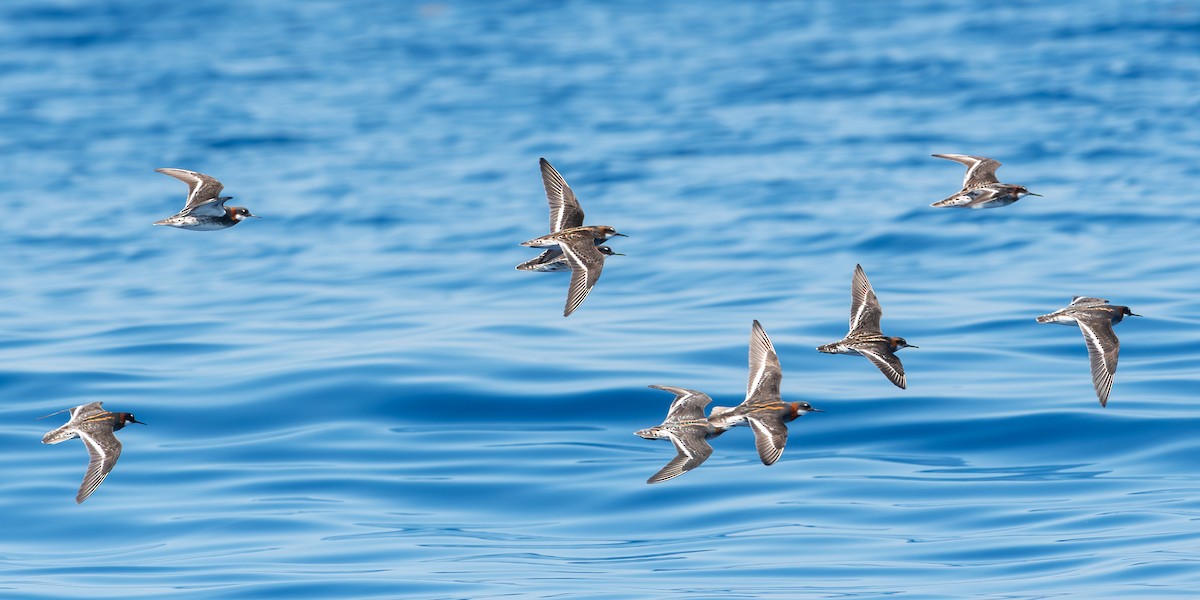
(357, 396)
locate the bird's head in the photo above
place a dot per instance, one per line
(123, 418)
(610, 232)
(238, 213)
(801, 408)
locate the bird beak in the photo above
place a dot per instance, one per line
(814, 409)
(1033, 194)
(255, 216)
(1134, 315)
(911, 346)
(617, 254)
(136, 421)
(620, 234)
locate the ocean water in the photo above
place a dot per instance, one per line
(357, 396)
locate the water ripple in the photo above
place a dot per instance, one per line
(357, 396)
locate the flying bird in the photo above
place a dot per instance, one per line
(980, 187)
(864, 337)
(763, 409)
(687, 428)
(95, 426)
(1095, 318)
(205, 208)
(570, 243)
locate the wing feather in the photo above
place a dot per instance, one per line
(103, 449)
(980, 169)
(203, 192)
(887, 362)
(586, 263)
(687, 405)
(565, 211)
(1103, 348)
(692, 450)
(765, 371)
(770, 437)
(865, 312)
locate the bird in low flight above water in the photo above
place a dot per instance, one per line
(569, 241)
(95, 426)
(205, 209)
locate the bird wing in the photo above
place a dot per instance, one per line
(537, 264)
(770, 436)
(1087, 301)
(86, 410)
(865, 312)
(765, 372)
(203, 192)
(586, 263)
(1103, 347)
(103, 448)
(688, 404)
(980, 169)
(565, 211)
(886, 360)
(692, 450)
(969, 198)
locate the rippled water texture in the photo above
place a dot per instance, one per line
(357, 396)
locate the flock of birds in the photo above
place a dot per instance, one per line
(573, 246)
(578, 248)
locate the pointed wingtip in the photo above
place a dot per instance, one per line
(571, 309)
(57, 412)
(769, 460)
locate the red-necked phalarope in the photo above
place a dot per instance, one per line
(205, 209)
(864, 337)
(553, 260)
(981, 189)
(569, 242)
(687, 428)
(763, 409)
(95, 426)
(1095, 317)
